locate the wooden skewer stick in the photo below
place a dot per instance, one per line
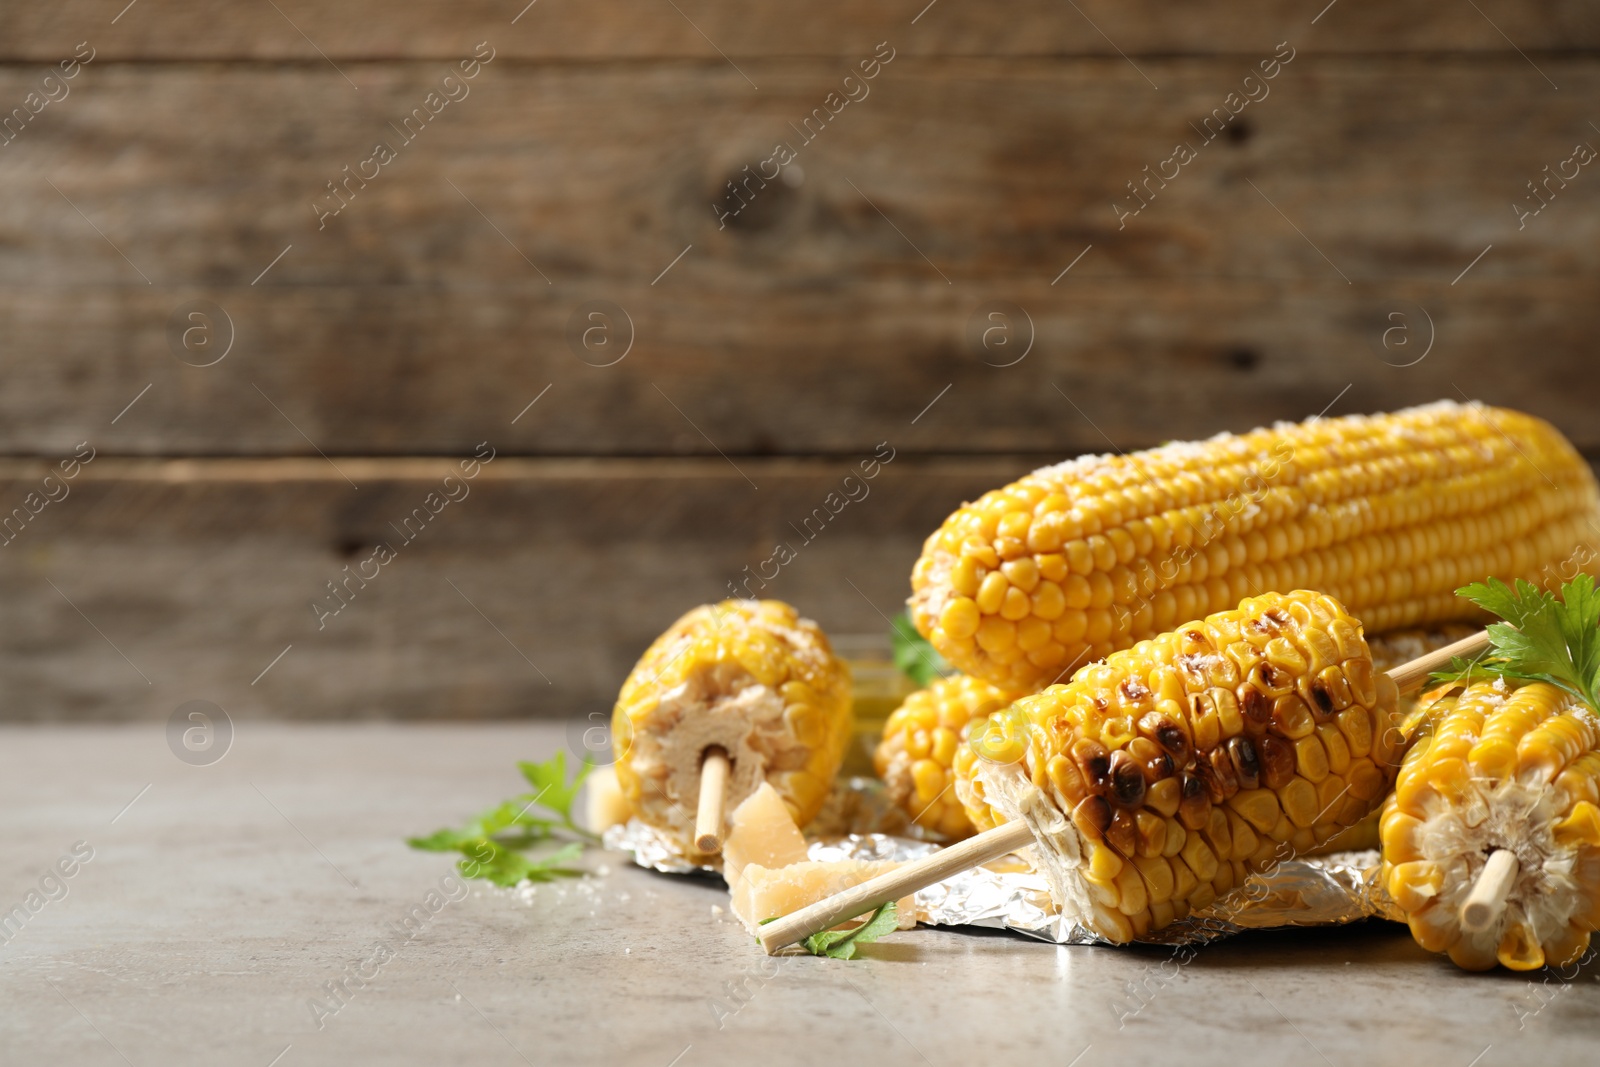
(713, 785)
(874, 892)
(1411, 676)
(1487, 901)
(992, 844)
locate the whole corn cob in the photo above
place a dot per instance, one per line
(918, 751)
(1499, 767)
(750, 677)
(1158, 780)
(1389, 513)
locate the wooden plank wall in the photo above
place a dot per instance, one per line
(1345, 237)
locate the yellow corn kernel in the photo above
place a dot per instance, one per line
(991, 592)
(1414, 885)
(1435, 929)
(1299, 800)
(1581, 827)
(1152, 833)
(1311, 759)
(1356, 727)
(1335, 748)
(1366, 781)
(1104, 863)
(960, 618)
(1244, 837)
(1545, 750)
(1258, 807)
(1565, 946)
(1162, 797)
(1520, 949)
(1201, 860)
(1132, 898)
(1158, 878)
(1218, 836)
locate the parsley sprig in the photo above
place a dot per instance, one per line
(841, 944)
(1544, 638)
(913, 655)
(492, 843)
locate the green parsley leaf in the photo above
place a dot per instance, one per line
(841, 944)
(549, 780)
(1544, 638)
(493, 841)
(913, 655)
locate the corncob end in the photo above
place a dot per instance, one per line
(749, 677)
(1499, 770)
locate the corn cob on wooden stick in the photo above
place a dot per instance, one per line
(1388, 513)
(1491, 841)
(731, 695)
(1158, 780)
(917, 753)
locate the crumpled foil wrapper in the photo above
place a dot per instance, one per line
(860, 822)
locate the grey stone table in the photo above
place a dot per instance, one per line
(220, 900)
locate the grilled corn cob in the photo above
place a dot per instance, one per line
(916, 756)
(750, 677)
(918, 750)
(1497, 767)
(1389, 513)
(1158, 780)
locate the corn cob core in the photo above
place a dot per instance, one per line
(1158, 780)
(749, 676)
(1497, 767)
(918, 750)
(1389, 513)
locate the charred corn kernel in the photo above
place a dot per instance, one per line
(750, 677)
(1478, 781)
(1390, 512)
(1154, 777)
(927, 733)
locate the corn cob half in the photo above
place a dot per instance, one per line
(917, 754)
(750, 677)
(1388, 513)
(1499, 768)
(1158, 780)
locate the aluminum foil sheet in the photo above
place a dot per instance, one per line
(860, 823)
